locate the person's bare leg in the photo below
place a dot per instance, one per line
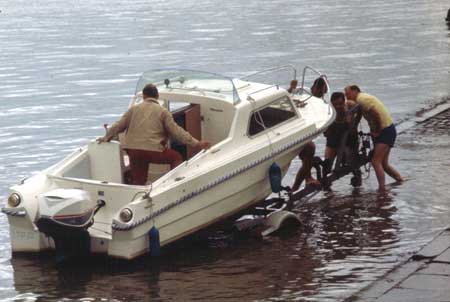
(379, 154)
(301, 175)
(307, 157)
(389, 169)
(308, 161)
(330, 153)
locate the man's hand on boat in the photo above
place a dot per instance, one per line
(203, 145)
(102, 140)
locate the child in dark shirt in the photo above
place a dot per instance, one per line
(339, 128)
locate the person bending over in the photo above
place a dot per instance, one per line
(147, 128)
(382, 130)
(306, 155)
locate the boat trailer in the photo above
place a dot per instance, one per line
(275, 212)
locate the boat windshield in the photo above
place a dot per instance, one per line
(204, 83)
(281, 75)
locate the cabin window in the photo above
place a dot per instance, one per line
(269, 116)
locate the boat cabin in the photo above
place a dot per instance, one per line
(205, 105)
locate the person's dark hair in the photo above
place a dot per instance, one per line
(150, 91)
(319, 87)
(336, 96)
(354, 88)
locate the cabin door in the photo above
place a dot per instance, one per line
(193, 126)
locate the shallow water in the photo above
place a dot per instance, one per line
(67, 68)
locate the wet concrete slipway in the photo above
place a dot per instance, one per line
(68, 67)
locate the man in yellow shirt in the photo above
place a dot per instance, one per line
(382, 130)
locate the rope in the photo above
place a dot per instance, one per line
(259, 121)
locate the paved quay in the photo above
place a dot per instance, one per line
(438, 124)
(424, 277)
(436, 121)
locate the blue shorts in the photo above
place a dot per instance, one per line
(387, 136)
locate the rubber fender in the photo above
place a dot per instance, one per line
(154, 244)
(275, 177)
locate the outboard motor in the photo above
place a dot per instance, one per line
(65, 215)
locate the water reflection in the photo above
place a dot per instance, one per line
(342, 239)
(351, 235)
(358, 221)
(47, 282)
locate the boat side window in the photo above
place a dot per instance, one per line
(269, 116)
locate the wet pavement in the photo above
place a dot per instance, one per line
(436, 125)
(425, 276)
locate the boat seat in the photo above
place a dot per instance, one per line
(106, 161)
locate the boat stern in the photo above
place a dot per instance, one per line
(21, 210)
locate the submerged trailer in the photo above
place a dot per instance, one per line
(275, 212)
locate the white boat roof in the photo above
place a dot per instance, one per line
(201, 83)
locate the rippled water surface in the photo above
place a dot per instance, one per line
(68, 67)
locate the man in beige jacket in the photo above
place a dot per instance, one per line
(147, 127)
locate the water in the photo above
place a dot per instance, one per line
(68, 67)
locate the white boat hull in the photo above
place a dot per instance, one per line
(206, 213)
(205, 189)
(202, 211)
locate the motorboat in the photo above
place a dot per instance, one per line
(86, 204)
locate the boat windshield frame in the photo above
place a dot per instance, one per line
(288, 69)
(187, 81)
